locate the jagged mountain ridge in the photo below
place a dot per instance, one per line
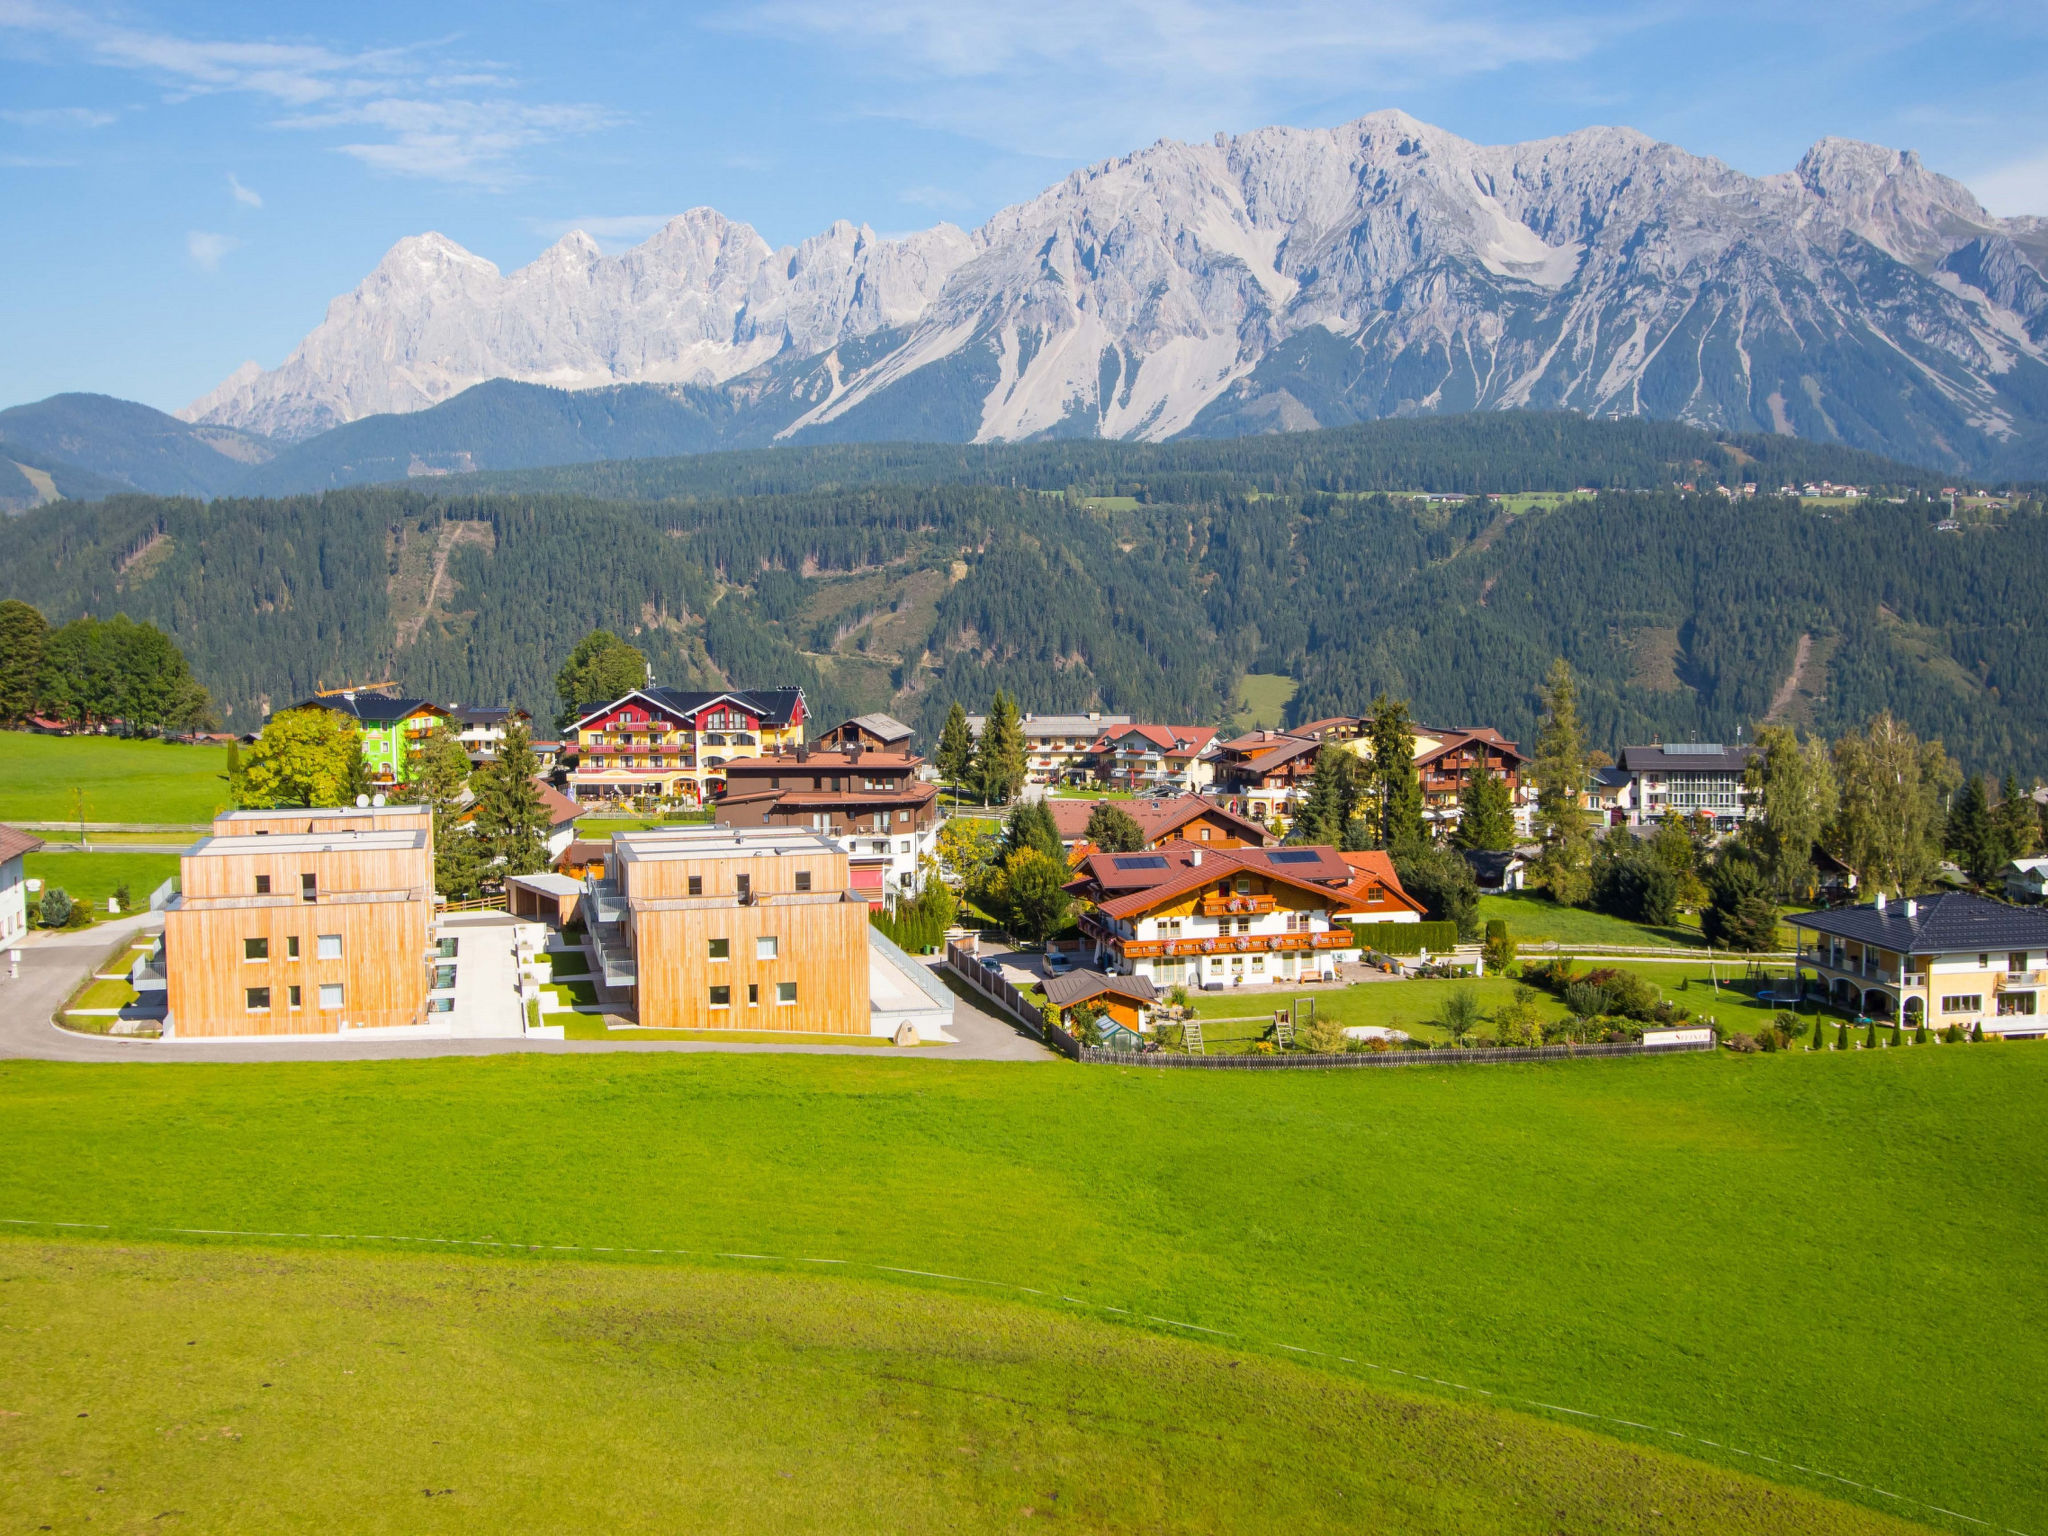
(1282, 279)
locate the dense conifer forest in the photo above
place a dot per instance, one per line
(1135, 579)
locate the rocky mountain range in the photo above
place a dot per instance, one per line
(1281, 279)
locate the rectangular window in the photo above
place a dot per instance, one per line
(785, 992)
(746, 886)
(255, 949)
(753, 994)
(291, 947)
(330, 994)
(327, 946)
(1963, 1002)
(2016, 961)
(446, 948)
(696, 887)
(440, 1005)
(263, 885)
(766, 947)
(292, 997)
(721, 997)
(720, 949)
(309, 887)
(2016, 1002)
(444, 977)
(256, 999)
(803, 880)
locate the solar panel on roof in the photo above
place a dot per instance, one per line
(1141, 861)
(1694, 749)
(1296, 856)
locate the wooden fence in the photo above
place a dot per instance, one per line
(991, 984)
(1437, 1058)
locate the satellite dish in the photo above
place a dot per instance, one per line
(362, 802)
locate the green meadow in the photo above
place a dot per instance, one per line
(1262, 698)
(1794, 1261)
(45, 778)
(93, 877)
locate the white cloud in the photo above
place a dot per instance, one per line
(2015, 188)
(429, 127)
(248, 197)
(60, 117)
(1065, 77)
(206, 250)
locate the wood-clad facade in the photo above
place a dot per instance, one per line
(750, 929)
(300, 933)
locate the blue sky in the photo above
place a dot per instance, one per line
(187, 186)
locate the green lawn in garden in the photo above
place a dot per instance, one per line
(93, 877)
(1262, 697)
(213, 1388)
(592, 1027)
(1812, 1258)
(145, 781)
(1535, 919)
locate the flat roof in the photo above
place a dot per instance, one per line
(327, 812)
(720, 843)
(388, 840)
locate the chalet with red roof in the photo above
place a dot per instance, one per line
(1155, 758)
(668, 744)
(1179, 819)
(1228, 917)
(1446, 760)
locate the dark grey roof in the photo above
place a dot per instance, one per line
(1943, 924)
(773, 707)
(1686, 757)
(1491, 865)
(480, 714)
(1079, 986)
(1610, 778)
(371, 708)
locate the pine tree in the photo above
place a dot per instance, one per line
(1559, 770)
(1842, 1036)
(1895, 1041)
(1977, 1032)
(511, 816)
(233, 775)
(1920, 1034)
(1332, 799)
(956, 748)
(22, 631)
(1972, 837)
(2016, 819)
(437, 773)
(1819, 1039)
(1870, 1036)
(1030, 825)
(1486, 811)
(999, 756)
(1393, 797)
(1112, 829)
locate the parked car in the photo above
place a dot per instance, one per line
(1058, 961)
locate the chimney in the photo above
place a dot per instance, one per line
(1195, 858)
(1880, 901)
(1912, 908)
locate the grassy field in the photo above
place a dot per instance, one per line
(1261, 699)
(93, 877)
(281, 1391)
(1533, 919)
(592, 1027)
(1814, 1258)
(146, 781)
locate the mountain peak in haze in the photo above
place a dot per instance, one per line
(1277, 279)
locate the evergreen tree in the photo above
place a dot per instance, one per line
(1977, 1032)
(1392, 800)
(999, 756)
(956, 748)
(1895, 1042)
(1740, 913)
(305, 757)
(1486, 811)
(2016, 820)
(1030, 825)
(1113, 829)
(511, 816)
(1819, 1040)
(1842, 1036)
(1870, 1035)
(1562, 822)
(1673, 846)
(22, 632)
(1972, 837)
(437, 774)
(1332, 799)
(601, 668)
(233, 775)
(1441, 880)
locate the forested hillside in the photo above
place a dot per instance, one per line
(1685, 615)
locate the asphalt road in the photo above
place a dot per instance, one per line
(53, 964)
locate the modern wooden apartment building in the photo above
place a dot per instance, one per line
(302, 923)
(753, 928)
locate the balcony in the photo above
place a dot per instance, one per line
(1213, 905)
(2029, 979)
(1238, 944)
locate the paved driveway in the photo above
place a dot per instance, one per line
(52, 964)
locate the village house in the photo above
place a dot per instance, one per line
(1264, 774)
(1154, 759)
(1179, 819)
(302, 923)
(482, 730)
(2026, 880)
(1446, 760)
(1216, 917)
(668, 744)
(756, 928)
(1058, 749)
(875, 733)
(15, 846)
(1951, 958)
(874, 802)
(1122, 1003)
(1687, 779)
(391, 725)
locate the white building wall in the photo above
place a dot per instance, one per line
(13, 900)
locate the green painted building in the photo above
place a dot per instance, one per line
(390, 725)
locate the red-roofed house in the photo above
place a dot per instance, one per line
(1180, 819)
(1154, 758)
(1217, 917)
(1447, 759)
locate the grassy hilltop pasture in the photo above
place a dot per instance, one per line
(146, 781)
(1815, 1259)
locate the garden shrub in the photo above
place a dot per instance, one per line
(1743, 1043)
